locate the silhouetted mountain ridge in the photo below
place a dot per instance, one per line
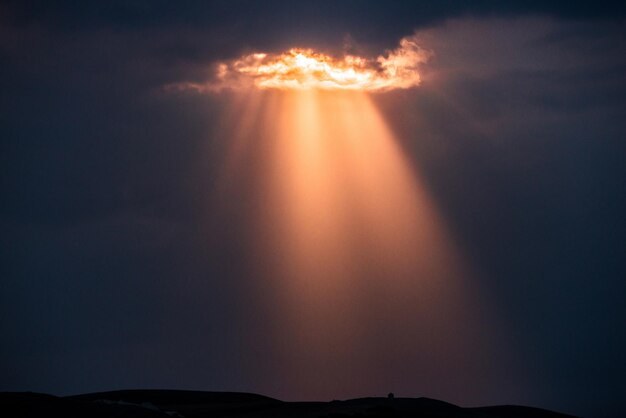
(197, 404)
(157, 396)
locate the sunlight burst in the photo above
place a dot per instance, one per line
(307, 69)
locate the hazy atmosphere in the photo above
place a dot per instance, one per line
(452, 229)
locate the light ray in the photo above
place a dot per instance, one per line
(347, 241)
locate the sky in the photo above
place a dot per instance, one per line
(132, 258)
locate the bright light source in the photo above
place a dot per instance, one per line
(306, 69)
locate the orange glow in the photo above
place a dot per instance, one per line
(346, 240)
(306, 69)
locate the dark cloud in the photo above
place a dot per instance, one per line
(520, 136)
(280, 23)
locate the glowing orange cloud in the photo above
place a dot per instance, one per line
(306, 69)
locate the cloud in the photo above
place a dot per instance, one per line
(300, 68)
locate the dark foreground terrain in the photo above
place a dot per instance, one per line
(175, 403)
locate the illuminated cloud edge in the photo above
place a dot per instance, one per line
(306, 69)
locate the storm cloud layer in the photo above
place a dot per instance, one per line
(118, 268)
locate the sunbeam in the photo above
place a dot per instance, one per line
(348, 239)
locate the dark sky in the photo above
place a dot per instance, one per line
(117, 272)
